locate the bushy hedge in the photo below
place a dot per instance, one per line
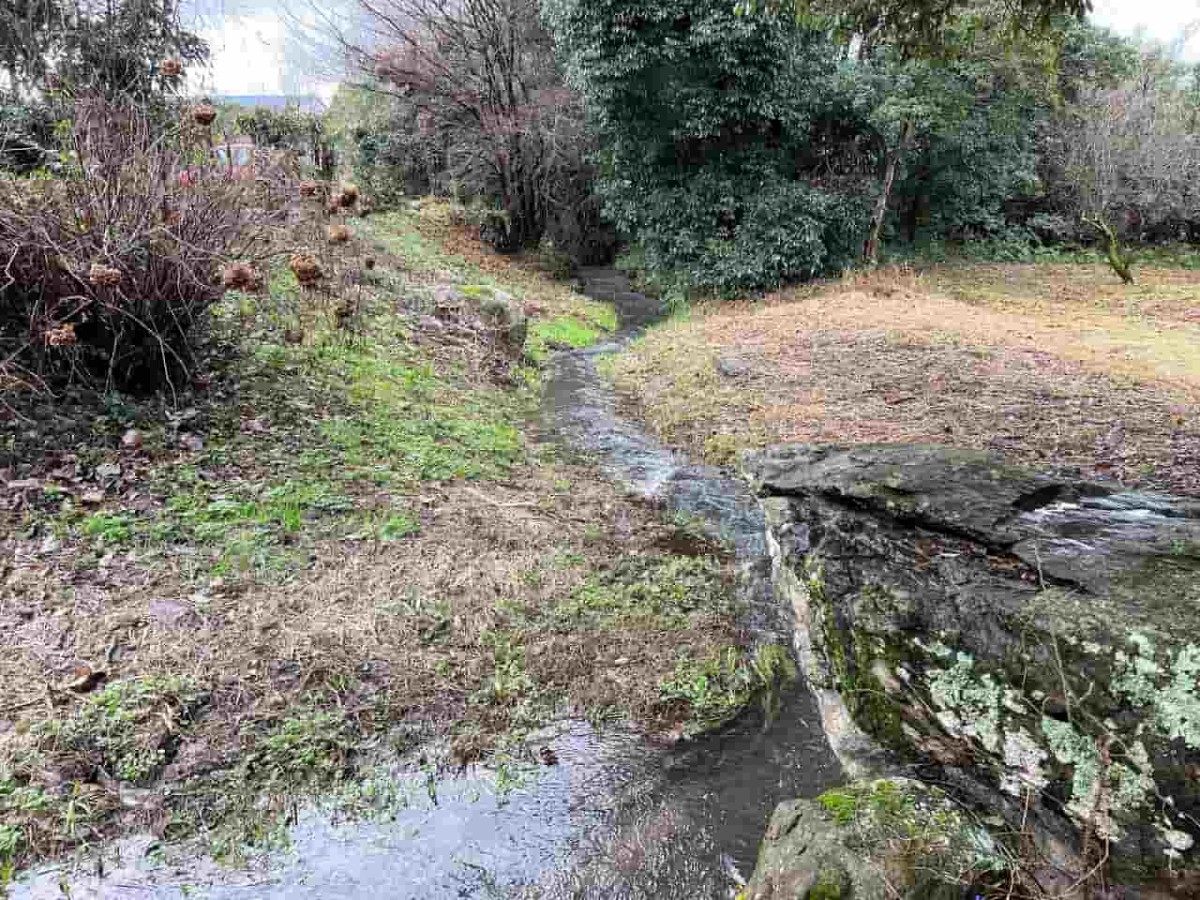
(708, 121)
(746, 227)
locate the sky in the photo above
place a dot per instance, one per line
(255, 50)
(256, 47)
(1162, 20)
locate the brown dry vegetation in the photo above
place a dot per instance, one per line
(1055, 366)
(348, 538)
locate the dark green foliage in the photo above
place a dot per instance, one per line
(708, 120)
(111, 47)
(918, 27)
(975, 152)
(377, 134)
(27, 139)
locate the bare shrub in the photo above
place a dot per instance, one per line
(124, 252)
(488, 101)
(1125, 160)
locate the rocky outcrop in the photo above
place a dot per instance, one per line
(1032, 643)
(876, 840)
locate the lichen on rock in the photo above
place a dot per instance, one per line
(1172, 690)
(871, 840)
(1028, 639)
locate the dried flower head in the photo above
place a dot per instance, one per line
(349, 196)
(308, 188)
(62, 336)
(101, 275)
(204, 113)
(241, 277)
(306, 269)
(338, 234)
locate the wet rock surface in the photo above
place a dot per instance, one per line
(805, 856)
(1030, 642)
(871, 840)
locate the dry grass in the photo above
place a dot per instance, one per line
(411, 618)
(539, 277)
(1052, 365)
(364, 541)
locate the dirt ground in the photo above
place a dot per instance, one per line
(1057, 367)
(347, 541)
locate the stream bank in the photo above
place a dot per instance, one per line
(988, 640)
(614, 814)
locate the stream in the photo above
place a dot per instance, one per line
(617, 817)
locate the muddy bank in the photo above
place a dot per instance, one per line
(613, 817)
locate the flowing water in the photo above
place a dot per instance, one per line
(617, 816)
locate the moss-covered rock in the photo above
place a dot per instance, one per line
(1033, 642)
(501, 312)
(871, 839)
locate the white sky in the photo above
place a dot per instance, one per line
(1163, 20)
(255, 50)
(252, 52)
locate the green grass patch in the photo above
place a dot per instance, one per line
(396, 232)
(718, 687)
(131, 725)
(405, 423)
(657, 591)
(310, 749)
(109, 528)
(564, 333)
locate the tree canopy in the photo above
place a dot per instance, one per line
(110, 47)
(914, 26)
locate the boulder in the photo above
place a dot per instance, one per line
(871, 840)
(502, 313)
(1031, 642)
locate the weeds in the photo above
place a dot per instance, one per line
(509, 681)
(717, 688)
(311, 749)
(108, 528)
(131, 725)
(668, 591)
(916, 834)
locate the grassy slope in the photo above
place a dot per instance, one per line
(1054, 366)
(348, 544)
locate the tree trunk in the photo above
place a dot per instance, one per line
(895, 155)
(1118, 259)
